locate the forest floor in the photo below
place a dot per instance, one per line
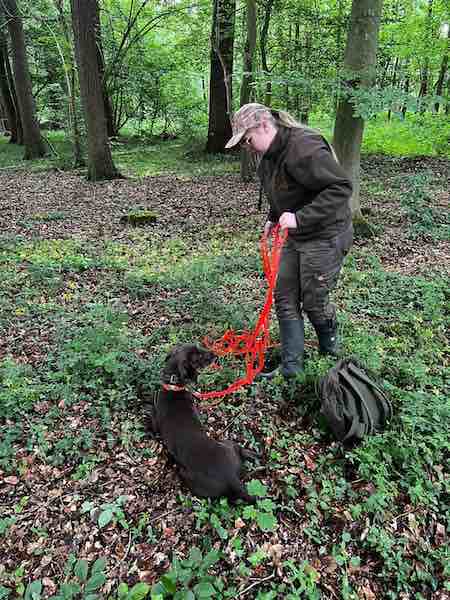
(89, 308)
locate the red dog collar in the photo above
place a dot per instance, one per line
(170, 387)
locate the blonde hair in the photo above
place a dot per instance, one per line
(283, 118)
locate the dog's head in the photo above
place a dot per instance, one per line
(184, 362)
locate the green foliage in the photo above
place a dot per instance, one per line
(83, 582)
(188, 579)
(19, 390)
(107, 512)
(380, 502)
(263, 513)
(132, 155)
(98, 354)
(302, 581)
(417, 135)
(418, 198)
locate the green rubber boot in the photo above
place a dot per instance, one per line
(327, 335)
(292, 338)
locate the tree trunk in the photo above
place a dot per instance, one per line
(423, 90)
(406, 88)
(360, 60)
(12, 89)
(220, 85)
(447, 106)
(111, 125)
(306, 96)
(263, 47)
(337, 90)
(442, 74)
(33, 142)
(425, 70)
(70, 72)
(247, 160)
(100, 163)
(5, 93)
(297, 66)
(393, 83)
(288, 66)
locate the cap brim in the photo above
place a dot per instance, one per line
(235, 139)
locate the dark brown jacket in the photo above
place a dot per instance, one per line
(300, 175)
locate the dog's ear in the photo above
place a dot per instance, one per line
(193, 357)
(174, 370)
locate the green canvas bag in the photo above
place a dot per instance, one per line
(353, 404)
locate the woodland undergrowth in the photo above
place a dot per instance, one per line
(90, 506)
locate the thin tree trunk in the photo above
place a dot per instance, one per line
(247, 160)
(12, 89)
(385, 72)
(360, 60)
(337, 91)
(442, 74)
(5, 93)
(406, 89)
(447, 106)
(288, 67)
(220, 87)
(306, 97)
(423, 90)
(425, 70)
(33, 142)
(69, 68)
(111, 125)
(249, 52)
(394, 81)
(297, 65)
(100, 163)
(263, 47)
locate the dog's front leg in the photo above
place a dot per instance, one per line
(150, 418)
(245, 454)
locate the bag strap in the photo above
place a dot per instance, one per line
(358, 429)
(345, 375)
(377, 391)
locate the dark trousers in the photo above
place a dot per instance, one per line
(308, 272)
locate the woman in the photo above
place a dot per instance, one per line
(309, 194)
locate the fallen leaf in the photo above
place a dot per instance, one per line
(12, 480)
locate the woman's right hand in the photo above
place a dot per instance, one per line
(268, 228)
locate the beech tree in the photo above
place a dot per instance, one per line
(359, 66)
(33, 142)
(7, 97)
(263, 48)
(68, 61)
(220, 87)
(110, 125)
(442, 73)
(247, 160)
(84, 18)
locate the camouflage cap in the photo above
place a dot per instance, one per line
(249, 115)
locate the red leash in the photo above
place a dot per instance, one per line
(252, 344)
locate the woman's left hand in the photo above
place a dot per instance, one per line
(288, 221)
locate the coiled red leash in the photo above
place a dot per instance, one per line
(252, 344)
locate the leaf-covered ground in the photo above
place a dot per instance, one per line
(89, 308)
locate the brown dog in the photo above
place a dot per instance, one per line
(209, 468)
